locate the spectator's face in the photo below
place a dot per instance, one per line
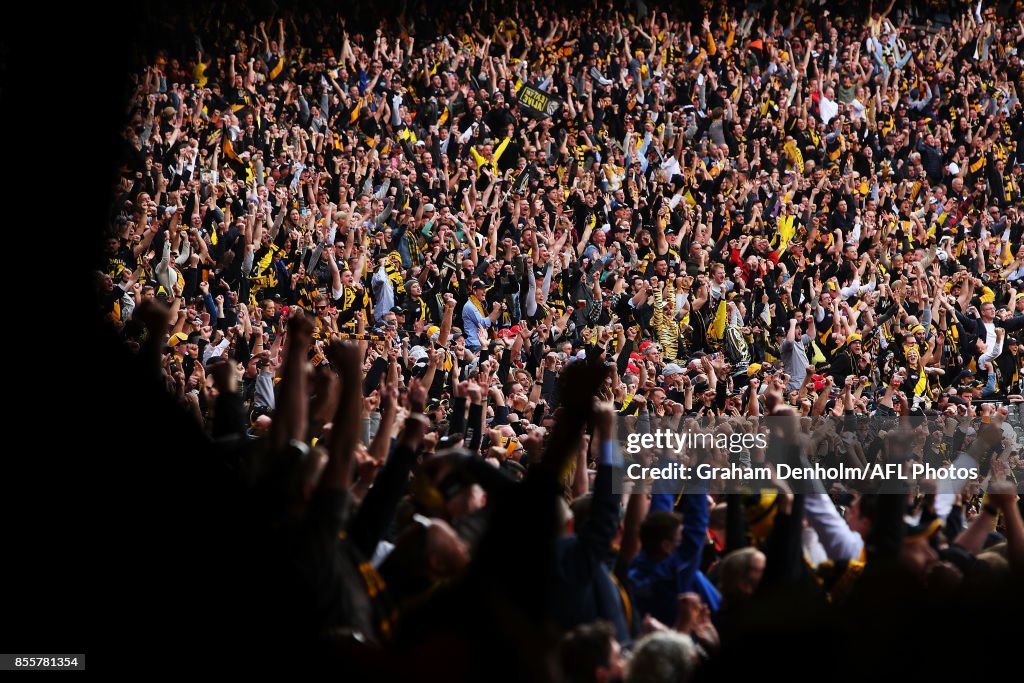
(106, 283)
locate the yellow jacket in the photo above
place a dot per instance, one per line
(480, 160)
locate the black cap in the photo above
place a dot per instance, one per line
(398, 310)
(479, 284)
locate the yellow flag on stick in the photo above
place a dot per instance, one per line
(718, 325)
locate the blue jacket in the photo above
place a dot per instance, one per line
(656, 584)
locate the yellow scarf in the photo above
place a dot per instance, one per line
(478, 304)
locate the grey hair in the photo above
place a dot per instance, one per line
(663, 657)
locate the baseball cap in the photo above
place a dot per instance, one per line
(177, 338)
(672, 369)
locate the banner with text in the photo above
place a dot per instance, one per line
(537, 101)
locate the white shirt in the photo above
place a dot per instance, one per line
(859, 110)
(671, 167)
(990, 338)
(828, 109)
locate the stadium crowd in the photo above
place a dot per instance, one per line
(414, 274)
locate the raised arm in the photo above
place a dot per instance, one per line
(347, 359)
(290, 414)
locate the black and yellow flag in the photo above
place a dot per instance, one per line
(522, 180)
